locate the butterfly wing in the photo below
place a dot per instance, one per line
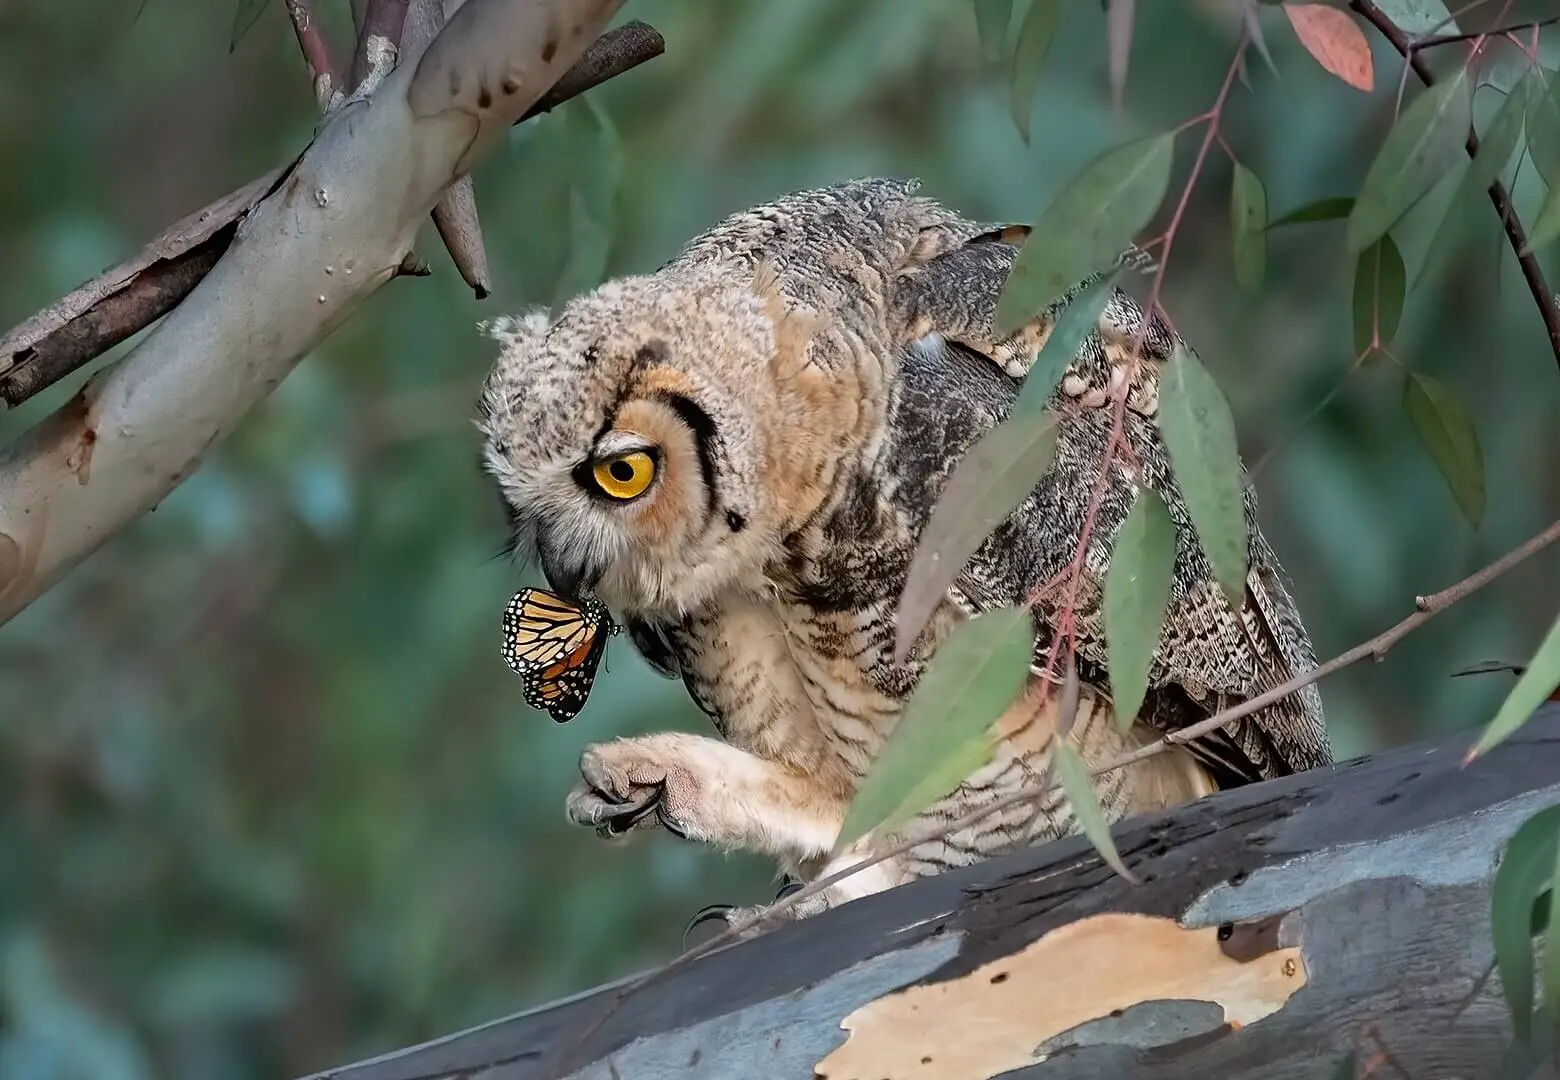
(555, 647)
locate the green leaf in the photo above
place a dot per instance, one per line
(1446, 429)
(1526, 867)
(1321, 210)
(1543, 123)
(1119, 16)
(1534, 685)
(1380, 282)
(991, 22)
(1035, 37)
(1199, 432)
(1546, 228)
(1088, 225)
(1419, 16)
(1073, 772)
(244, 17)
(1427, 140)
(1248, 223)
(975, 674)
(1552, 944)
(1075, 322)
(992, 478)
(1500, 139)
(1137, 593)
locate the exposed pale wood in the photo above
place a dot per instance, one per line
(1376, 873)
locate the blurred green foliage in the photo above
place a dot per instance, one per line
(269, 798)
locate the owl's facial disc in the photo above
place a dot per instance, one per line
(648, 522)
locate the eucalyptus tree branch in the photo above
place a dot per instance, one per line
(379, 40)
(310, 251)
(1532, 273)
(455, 216)
(324, 75)
(128, 298)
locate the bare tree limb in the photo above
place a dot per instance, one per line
(333, 231)
(1532, 273)
(379, 41)
(324, 75)
(1286, 924)
(455, 217)
(177, 254)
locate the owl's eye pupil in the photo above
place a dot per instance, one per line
(624, 477)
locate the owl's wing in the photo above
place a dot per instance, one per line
(1210, 656)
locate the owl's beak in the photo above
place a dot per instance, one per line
(568, 571)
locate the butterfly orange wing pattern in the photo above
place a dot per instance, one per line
(555, 648)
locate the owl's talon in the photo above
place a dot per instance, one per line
(710, 913)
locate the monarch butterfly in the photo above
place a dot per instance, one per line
(555, 647)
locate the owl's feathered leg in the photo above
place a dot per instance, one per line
(705, 790)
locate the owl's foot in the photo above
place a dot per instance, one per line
(749, 922)
(704, 790)
(636, 783)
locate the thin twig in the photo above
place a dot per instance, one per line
(324, 75)
(1498, 31)
(1532, 273)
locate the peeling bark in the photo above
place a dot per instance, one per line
(1278, 928)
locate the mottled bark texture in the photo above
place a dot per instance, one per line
(1278, 927)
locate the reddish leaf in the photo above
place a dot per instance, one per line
(1335, 40)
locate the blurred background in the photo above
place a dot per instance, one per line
(270, 800)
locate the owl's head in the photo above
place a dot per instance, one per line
(647, 443)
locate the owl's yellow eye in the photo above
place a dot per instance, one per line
(625, 476)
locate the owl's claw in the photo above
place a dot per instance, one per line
(637, 783)
(611, 817)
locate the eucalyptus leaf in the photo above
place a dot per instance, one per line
(1543, 123)
(1073, 774)
(1137, 593)
(1074, 323)
(1087, 225)
(1546, 227)
(1427, 140)
(1380, 282)
(245, 15)
(1329, 209)
(1532, 688)
(992, 478)
(1419, 16)
(1446, 429)
(1248, 225)
(978, 670)
(1035, 36)
(1526, 867)
(1199, 433)
(991, 23)
(1502, 137)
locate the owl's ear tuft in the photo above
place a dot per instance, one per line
(517, 331)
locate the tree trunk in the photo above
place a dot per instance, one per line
(1277, 929)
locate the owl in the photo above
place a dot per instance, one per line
(737, 454)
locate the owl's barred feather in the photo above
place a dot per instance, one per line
(808, 373)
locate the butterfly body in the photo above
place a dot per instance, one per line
(555, 647)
